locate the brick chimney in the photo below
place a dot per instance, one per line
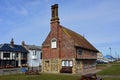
(12, 43)
(54, 17)
(23, 43)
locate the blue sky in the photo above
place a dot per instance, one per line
(29, 21)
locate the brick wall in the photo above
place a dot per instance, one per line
(68, 49)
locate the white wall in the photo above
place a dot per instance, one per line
(34, 61)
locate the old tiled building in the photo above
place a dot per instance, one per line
(12, 55)
(65, 50)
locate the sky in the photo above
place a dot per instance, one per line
(29, 21)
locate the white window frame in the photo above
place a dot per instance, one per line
(54, 43)
(67, 63)
(34, 54)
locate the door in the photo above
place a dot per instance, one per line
(47, 66)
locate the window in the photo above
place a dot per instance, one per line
(68, 63)
(23, 55)
(6, 55)
(79, 51)
(34, 54)
(63, 63)
(13, 55)
(53, 43)
(16, 54)
(92, 53)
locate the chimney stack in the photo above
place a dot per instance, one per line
(23, 43)
(12, 43)
(54, 15)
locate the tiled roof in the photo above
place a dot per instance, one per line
(80, 41)
(33, 47)
(1, 45)
(15, 48)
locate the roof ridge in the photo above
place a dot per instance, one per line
(1, 45)
(72, 31)
(16, 48)
(66, 32)
(32, 45)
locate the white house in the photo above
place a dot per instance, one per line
(34, 55)
(100, 56)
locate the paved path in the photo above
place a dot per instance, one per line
(10, 71)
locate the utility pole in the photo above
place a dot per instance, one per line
(110, 54)
(116, 55)
(110, 51)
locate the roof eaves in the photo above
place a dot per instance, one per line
(33, 47)
(1, 45)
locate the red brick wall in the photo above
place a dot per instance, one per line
(47, 51)
(65, 45)
(68, 49)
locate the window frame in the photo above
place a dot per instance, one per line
(54, 43)
(80, 51)
(67, 63)
(4, 55)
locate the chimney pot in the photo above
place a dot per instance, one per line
(23, 43)
(12, 42)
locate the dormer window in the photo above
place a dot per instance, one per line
(54, 43)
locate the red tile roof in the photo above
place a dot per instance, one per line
(80, 41)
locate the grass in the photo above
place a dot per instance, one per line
(39, 77)
(111, 69)
(101, 66)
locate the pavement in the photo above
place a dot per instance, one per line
(10, 71)
(109, 76)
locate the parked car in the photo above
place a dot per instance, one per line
(101, 61)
